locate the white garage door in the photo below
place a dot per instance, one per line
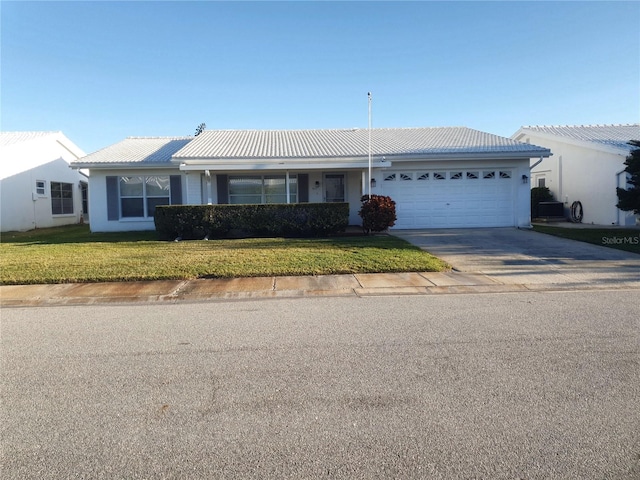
(452, 198)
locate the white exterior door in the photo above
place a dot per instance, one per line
(482, 197)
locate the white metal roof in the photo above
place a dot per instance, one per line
(350, 143)
(12, 138)
(616, 136)
(136, 151)
(17, 141)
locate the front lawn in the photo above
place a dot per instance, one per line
(627, 239)
(73, 254)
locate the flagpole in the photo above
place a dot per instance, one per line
(369, 182)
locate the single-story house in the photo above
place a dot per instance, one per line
(587, 166)
(37, 187)
(438, 177)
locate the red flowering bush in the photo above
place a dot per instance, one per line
(377, 212)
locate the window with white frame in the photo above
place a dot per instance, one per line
(61, 198)
(140, 195)
(258, 189)
(41, 188)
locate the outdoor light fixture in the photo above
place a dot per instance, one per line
(525, 179)
(373, 183)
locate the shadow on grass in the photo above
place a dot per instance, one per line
(74, 234)
(81, 234)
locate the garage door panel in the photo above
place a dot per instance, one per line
(471, 200)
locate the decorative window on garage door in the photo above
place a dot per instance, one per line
(505, 174)
(406, 176)
(472, 175)
(488, 175)
(423, 176)
(439, 175)
(390, 177)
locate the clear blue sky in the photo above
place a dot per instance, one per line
(103, 71)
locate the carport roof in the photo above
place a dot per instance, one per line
(351, 143)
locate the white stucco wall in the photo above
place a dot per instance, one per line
(46, 159)
(588, 175)
(194, 188)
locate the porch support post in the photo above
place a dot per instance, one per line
(287, 184)
(364, 182)
(207, 175)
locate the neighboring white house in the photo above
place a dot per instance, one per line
(37, 187)
(587, 166)
(439, 177)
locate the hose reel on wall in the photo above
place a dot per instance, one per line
(575, 212)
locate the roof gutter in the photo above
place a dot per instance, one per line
(115, 166)
(326, 161)
(280, 166)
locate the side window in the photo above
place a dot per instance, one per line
(61, 198)
(41, 187)
(542, 182)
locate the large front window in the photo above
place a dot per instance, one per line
(61, 198)
(139, 196)
(262, 189)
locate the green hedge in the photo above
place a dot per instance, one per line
(273, 220)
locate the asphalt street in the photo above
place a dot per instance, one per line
(513, 385)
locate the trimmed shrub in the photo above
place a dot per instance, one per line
(377, 212)
(539, 194)
(271, 220)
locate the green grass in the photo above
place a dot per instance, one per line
(73, 254)
(627, 239)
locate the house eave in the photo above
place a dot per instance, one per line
(453, 156)
(120, 165)
(243, 166)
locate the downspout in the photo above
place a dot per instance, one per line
(560, 177)
(535, 165)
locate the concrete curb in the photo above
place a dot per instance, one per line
(352, 285)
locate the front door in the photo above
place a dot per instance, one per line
(334, 190)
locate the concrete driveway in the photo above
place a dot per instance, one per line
(513, 256)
